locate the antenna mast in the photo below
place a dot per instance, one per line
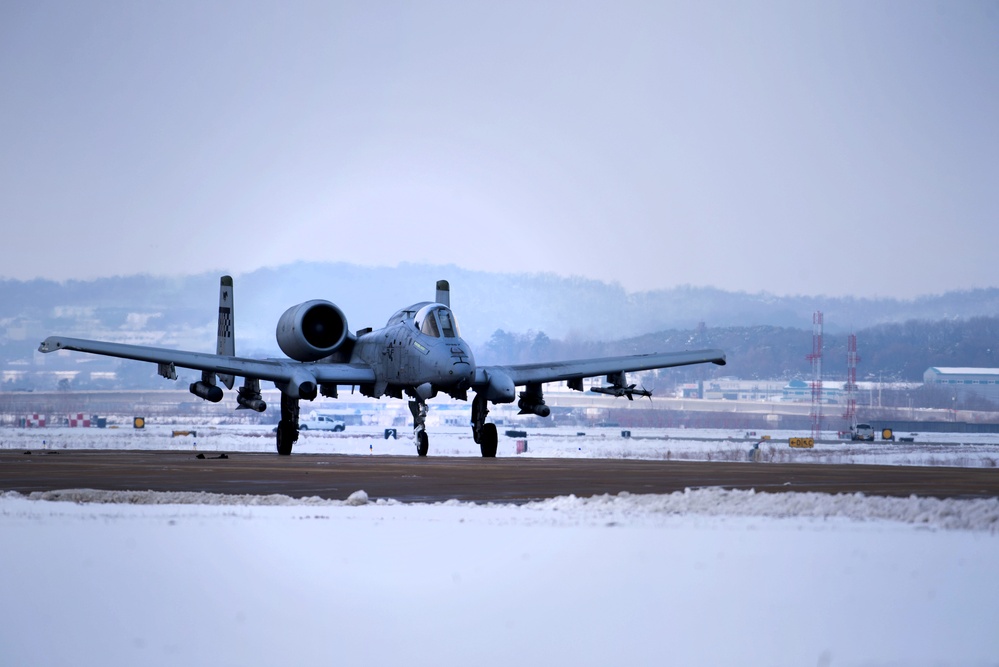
(851, 382)
(816, 358)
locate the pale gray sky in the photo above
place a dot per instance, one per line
(793, 147)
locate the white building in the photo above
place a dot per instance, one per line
(980, 381)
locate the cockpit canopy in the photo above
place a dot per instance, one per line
(437, 320)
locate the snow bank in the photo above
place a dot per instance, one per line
(624, 508)
(979, 514)
(702, 577)
(191, 498)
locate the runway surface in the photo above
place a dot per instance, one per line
(470, 479)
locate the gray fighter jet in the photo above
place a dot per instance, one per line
(419, 353)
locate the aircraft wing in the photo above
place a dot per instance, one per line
(559, 371)
(275, 370)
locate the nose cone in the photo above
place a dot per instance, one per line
(462, 369)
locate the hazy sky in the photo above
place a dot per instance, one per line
(793, 147)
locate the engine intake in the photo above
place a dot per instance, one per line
(312, 330)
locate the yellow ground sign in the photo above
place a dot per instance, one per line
(801, 443)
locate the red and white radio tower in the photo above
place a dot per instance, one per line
(816, 358)
(851, 382)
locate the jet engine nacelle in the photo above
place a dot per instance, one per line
(312, 330)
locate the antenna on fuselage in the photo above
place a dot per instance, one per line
(444, 293)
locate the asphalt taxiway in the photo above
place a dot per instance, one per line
(414, 479)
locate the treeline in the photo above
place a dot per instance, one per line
(888, 352)
(562, 307)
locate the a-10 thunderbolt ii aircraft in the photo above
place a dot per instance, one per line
(418, 353)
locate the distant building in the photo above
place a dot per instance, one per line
(799, 391)
(962, 381)
(732, 389)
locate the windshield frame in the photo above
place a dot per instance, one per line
(437, 321)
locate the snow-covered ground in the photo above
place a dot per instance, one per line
(705, 577)
(960, 449)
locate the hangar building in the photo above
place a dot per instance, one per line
(980, 381)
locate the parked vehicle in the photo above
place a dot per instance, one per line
(862, 432)
(322, 423)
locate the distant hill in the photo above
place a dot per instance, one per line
(510, 318)
(888, 352)
(181, 310)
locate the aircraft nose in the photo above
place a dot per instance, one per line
(462, 365)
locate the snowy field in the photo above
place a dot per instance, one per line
(707, 577)
(949, 449)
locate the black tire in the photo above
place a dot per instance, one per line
(422, 443)
(284, 442)
(488, 440)
(303, 427)
(337, 429)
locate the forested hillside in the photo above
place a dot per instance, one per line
(510, 318)
(891, 352)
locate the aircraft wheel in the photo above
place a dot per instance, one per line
(422, 443)
(488, 440)
(284, 442)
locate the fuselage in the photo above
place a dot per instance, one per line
(420, 345)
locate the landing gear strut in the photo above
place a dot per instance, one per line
(287, 430)
(419, 410)
(483, 433)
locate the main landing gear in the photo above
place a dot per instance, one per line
(484, 434)
(419, 410)
(287, 429)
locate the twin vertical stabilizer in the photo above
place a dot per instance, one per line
(444, 293)
(226, 342)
